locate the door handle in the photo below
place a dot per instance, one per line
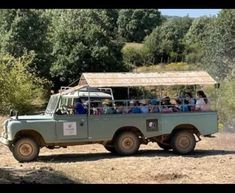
(82, 122)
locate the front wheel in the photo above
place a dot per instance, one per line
(127, 143)
(183, 142)
(25, 150)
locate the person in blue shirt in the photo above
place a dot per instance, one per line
(136, 108)
(79, 108)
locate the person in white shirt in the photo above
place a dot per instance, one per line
(202, 103)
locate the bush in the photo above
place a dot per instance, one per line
(19, 89)
(133, 55)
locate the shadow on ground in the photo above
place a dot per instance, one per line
(44, 175)
(79, 157)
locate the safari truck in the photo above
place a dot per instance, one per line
(119, 132)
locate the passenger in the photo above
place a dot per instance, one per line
(166, 105)
(107, 107)
(154, 106)
(184, 107)
(99, 108)
(79, 108)
(94, 108)
(202, 103)
(144, 106)
(120, 108)
(191, 101)
(131, 106)
(135, 108)
(177, 105)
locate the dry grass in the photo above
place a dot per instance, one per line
(133, 45)
(180, 66)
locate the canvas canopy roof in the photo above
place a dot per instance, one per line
(132, 79)
(80, 94)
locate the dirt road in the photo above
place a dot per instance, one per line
(212, 162)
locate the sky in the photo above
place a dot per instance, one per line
(190, 12)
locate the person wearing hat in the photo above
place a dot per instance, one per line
(107, 107)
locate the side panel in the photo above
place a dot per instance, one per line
(103, 127)
(205, 122)
(46, 128)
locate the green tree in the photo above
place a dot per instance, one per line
(135, 24)
(218, 56)
(19, 89)
(196, 38)
(165, 43)
(26, 30)
(83, 41)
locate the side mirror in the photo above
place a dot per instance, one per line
(12, 112)
(17, 114)
(217, 85)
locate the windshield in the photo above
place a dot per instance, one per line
(52, 104)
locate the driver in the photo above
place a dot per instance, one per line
(79, 108)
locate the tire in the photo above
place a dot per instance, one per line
(127, 143)
(11, 147)
(25, 150)
(164, 146)
(110, 149)
(183, 142)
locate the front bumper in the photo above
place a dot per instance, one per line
(4, 141)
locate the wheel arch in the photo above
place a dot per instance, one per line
(186, 127)
(30, 133)
(129, 128)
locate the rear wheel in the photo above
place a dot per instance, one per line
(164, 146)
(127, 143)
(25, 150)
(183, 142)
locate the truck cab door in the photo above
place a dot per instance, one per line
(71, 127)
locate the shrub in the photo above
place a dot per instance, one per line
(19, 88)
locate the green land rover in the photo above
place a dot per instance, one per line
(120, 131)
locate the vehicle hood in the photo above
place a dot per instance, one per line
(33, 117)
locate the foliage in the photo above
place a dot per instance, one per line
(196, 38)
(218, 56)
(83, 41)
(179, 66)
(135, 24)
(226, 103)
(19, 88)
(26, 30)
(165, 43)
(134, 55)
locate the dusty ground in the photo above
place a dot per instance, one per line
(212, 162)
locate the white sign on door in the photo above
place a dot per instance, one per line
(70, 128)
